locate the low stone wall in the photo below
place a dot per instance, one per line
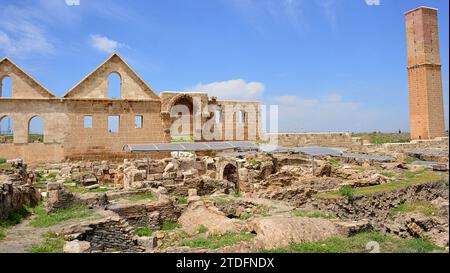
(33, 152)
(332, 139)
(108, 234)
(438, 143)
(378, 205)
(151, 214)
(15, 189)
(13, 197)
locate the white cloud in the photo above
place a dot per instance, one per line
(232, 89)
(23, 33)
(104, 44)
(333, 113)
(26, 26)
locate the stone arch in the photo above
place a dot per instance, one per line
(6, 87)
(231, 174)
(36, 129)
(6, 129)
(114, 85)
(185, 101)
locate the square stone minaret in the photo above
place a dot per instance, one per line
(424, 74)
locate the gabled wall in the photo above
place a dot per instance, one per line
(23, 86)
(65, 135)
(95, 85)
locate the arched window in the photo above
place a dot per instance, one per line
(36, 130)
(6, 130)
(6, 87)
(114, 86)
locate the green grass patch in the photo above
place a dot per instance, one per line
(358, 243)
(221, 201)
(2, 161)
(334, 162)
(40, 177)
(219, 241)
(40, 185)
(178, 139)
(53, 243)
(407, 179)
(202, 229)
(423, 207)
(141, 197)
(50, 176)
(254, 163)
(381, 138)
(6, 167)
(143, 231)
(170, 226)
(388, 174)
(313, 214)
(346, 191)
(44, 219)
(182, 200)
(35, 138)
(14, 218)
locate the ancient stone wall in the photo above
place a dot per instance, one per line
(438, 143)
(15, 189)
(64, 118)
(338, 139)
(378, 205)
(234, 129)
(24, 86)
(108, 234)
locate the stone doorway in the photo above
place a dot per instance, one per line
(230, 173)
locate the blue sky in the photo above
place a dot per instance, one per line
(330, 65)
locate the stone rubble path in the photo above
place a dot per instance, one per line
(20, 238)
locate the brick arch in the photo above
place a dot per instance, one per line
(168, 121)
(176, 98)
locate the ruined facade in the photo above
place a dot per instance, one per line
(142, 116)
(424, 74)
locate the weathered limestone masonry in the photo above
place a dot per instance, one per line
(16, 189)
(66, 134)
(440, 143)
(333, 139)
(424, 74)
(110, 233)
(376, 206)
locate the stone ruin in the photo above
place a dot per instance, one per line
(16, 188)
(262, 190)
